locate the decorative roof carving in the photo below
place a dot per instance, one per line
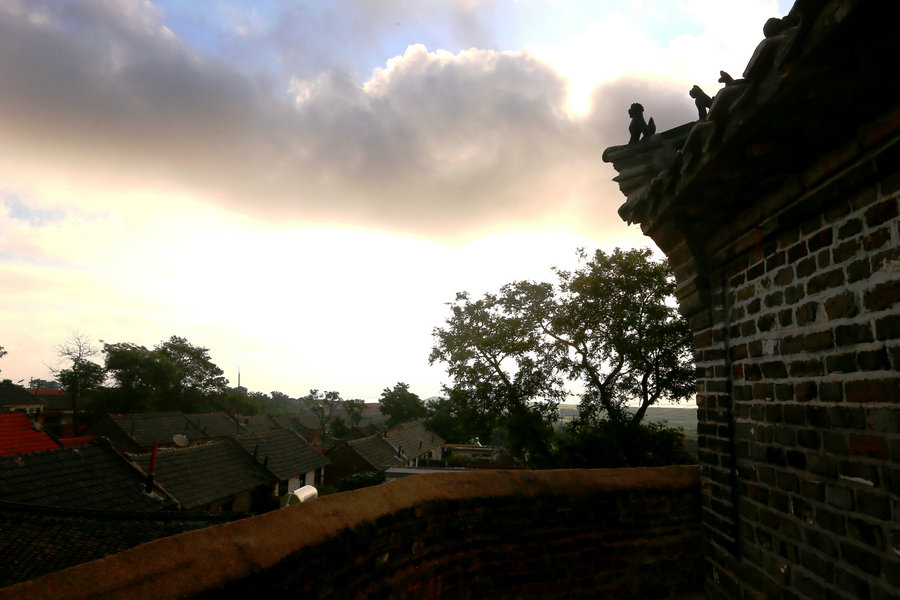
(798, 99)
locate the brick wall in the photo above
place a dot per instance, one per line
(617, 533)
(795, 306)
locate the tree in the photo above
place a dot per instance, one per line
(174, 375)
(354, 408)
(612, 326)
(400, 405)
(499, 380)
(35, 383)
(321, 405)
(608, 328)
(82, 375)
(2, 352)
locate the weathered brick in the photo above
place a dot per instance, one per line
(820, 340)
(774, 299)
(806, 267)
(748, 328)
(794, 294)
(841, 306)
(858, 270)
(885, 389)
(817, 416)
(808, 438)
(848, 417)
(846, 251)
(850, 228)
(825, 281)
(883, 295)
(861, 558)
(775, 260)
(774, 369)
(797, 251)
(884, 419)
(868, 445)
(848, 335)
(784, 391)
(806, 314)
(811, 367)
(805, 391)
(874, 504)
(786, 317)
(841, 363)
(888, 260)
(820, 240)
(877, 239)
(766, 322)
(831, 391)
(756, 271)
(873, 360)
(882, 212)
(835, 443)
(738, 352)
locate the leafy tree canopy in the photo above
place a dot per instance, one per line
(400, 405)
(608, 330)
(174, 375)
(322, 405)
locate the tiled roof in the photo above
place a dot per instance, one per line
(413, 439)
(283, 452)
(214, 425)
(34, 542)
(15, 395)
(300, 423)
(259, 423)
(91, 477)
(147, 428)
(803, 95)
(203, 473)
(55, 399)
(19, 436)
(376, 451)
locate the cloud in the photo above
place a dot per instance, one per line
(106, 98)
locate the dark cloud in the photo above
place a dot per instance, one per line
(435, 143)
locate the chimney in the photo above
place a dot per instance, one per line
(152, 470)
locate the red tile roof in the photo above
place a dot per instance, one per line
(18, 436)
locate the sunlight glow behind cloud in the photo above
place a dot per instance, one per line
(300, 188)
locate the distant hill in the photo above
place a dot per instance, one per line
(684, 416)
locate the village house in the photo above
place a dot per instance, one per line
(287, 457)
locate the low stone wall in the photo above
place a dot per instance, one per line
(622, 533)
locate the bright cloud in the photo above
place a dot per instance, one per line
(300, 187)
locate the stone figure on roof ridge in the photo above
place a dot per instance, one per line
(639, 129)
(701, 100)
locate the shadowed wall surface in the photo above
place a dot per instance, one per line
(623, 533)
(780, 216)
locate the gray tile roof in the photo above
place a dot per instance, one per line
(34, 542)
(214, 425)
(15, 395)
(376, 451)
(284, 453)
(146, 428)
(413, 439)
(204, 473)
(93, 476)
(259, 423)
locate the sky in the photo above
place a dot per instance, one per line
(301, 187)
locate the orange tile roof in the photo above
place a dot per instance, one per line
(18, 436)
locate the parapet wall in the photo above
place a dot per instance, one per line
(622, 533)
